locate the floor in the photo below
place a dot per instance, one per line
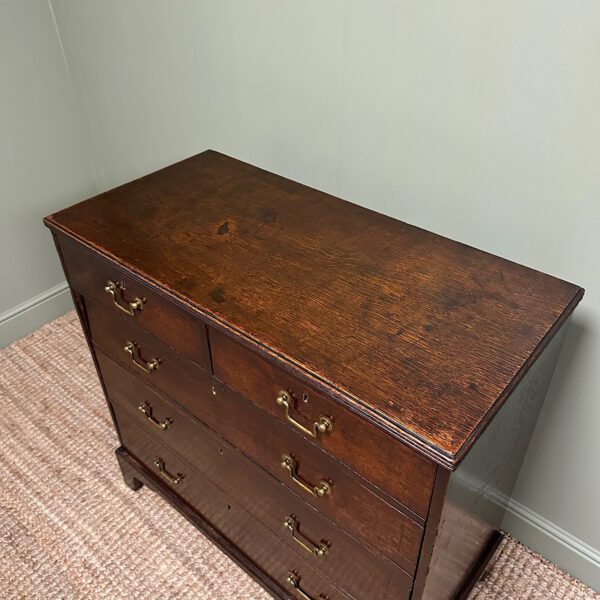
(71, 529)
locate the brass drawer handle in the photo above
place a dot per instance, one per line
(147, 366)
(293, 580)
(318, 550)
(159, 463)
(291, 466)
(323, 425)
(117, 291)
(146, 408)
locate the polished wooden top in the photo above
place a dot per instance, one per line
(420, 334)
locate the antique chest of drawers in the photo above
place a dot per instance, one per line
(339, 400)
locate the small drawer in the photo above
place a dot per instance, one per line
(389, 464)
(145, 355)
(123, 294)
(318, 541)
(164, 468)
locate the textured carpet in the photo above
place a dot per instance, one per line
(71, 529)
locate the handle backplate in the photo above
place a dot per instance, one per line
(293, 580)
(147, 366)
(159, 463)
(323, 425)
(319, 550)
(146, 408)
(117, 290)
(323, 488)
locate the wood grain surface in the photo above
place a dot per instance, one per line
(416, 332)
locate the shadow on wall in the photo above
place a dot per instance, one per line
(547, 449)
(564, 373)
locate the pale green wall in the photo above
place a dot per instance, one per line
(478, 120)
(44, 164)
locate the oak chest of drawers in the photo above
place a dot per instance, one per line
(339, 400)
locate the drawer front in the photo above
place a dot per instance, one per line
(389, 464)
(174, 374)
(320, 543)
(90, 275)
(254, 540)
(351, 505)
(348, 502)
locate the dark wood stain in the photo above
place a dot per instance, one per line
(223, 228)
(218, 294)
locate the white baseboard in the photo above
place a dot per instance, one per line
(21, 320)
(554, 543)
(543, 536)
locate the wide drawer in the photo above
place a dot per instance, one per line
(329, 549)
(93, 277)
(389, 464)
(172, 373)
(350, 504)
(255, 541)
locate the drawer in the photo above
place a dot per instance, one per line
(89, 275)
(351, 505)
(254, 540)
(323, 545)
(389, 464)
(174, 375)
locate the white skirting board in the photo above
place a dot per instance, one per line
(554, 543)
(21, 320)
(543, 536)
